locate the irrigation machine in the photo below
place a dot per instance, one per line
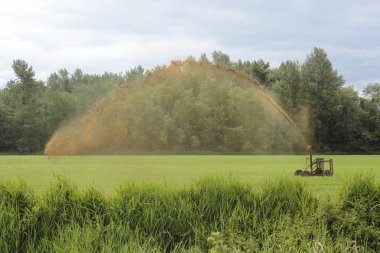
(317, 167)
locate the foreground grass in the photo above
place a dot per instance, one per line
(212, 215)
(107, 172)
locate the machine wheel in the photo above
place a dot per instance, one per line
(298, 173)
(327, 173)
(305, 173)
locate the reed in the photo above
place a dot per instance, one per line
(215, 214)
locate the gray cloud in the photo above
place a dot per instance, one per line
(116, 35)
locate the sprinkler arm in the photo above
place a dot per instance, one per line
(310, 149)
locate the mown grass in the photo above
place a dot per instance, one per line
(215, 214)
(107, 172)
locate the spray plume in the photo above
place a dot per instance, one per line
(183, 106)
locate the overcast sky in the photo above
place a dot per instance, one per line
(115, 35)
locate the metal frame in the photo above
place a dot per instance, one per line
(316, 167)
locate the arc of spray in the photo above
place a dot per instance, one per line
(261, 92)
(278, 108)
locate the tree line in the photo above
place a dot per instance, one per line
(31, 110)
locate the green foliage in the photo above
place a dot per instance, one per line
(371, 116)
(7, 129)
(288, 85)
(214, 215)
(60, 81)
(348, 129)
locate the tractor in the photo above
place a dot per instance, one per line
(316, 167)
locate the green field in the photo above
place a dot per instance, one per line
(106, 173)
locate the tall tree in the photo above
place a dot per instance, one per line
(321, 83)
(25, 84)
(25, 107)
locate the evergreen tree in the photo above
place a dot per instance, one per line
(25, 108)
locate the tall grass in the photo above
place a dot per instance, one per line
(214, 214)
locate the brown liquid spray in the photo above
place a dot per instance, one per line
(168, 110)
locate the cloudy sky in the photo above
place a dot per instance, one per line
(115, 35)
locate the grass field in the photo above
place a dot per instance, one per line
(106, 173)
